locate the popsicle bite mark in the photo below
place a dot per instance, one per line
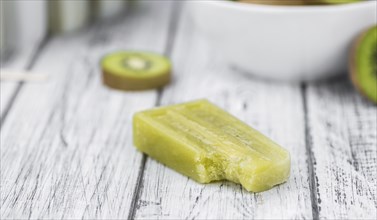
(254, 178)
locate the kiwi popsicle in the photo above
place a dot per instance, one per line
(200, 140)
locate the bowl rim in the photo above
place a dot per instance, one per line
(291, 8)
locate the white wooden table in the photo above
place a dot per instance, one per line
(66, 144)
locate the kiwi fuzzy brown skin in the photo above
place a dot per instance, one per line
(336, 1)
(117, 82)
(353, 66)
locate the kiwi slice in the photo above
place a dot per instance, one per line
(363, 64)
(135, 70)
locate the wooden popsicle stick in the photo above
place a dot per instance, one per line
(14, 75)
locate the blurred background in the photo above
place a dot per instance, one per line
(26, 22)
(305, 43)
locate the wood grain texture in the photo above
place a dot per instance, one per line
(66, 146)
(275, 109)
(22, 60)
(343, 139)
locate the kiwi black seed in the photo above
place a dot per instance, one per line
(135, 70)
(363, 64)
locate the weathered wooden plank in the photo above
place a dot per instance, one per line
(343, 133)
(21, 60)
(275, 109)
(66, 146)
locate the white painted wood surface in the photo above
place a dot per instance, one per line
(66, 149)
(22, 60)
(343, 139)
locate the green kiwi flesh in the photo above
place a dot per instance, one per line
(363, 64)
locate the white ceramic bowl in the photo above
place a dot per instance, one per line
(292, 43)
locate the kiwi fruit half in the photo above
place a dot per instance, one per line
(135, 70)
(363, 64)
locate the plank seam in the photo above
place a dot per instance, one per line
(310, 155)
(172, 32)
(138, 187)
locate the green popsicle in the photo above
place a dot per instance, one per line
(200, 140)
